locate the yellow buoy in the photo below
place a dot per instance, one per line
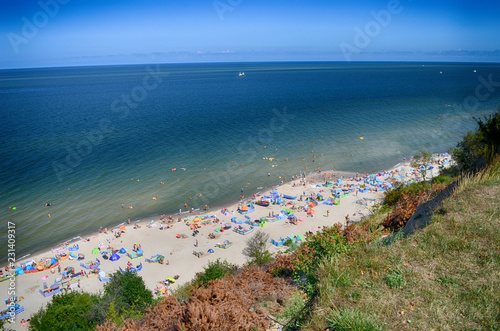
(361, 138)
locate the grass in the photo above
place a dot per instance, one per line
(446, 276)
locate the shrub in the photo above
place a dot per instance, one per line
(329, 242)
(214, 270)
(66, 311)
(482, 144)
(394, 195)
(442, 179)
(127, 292)
(256, 249)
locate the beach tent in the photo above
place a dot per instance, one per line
(122, 251)
(95, 251)
(211, 251)
(114, 257)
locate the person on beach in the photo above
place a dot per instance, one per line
(328, 213)
(49, 217)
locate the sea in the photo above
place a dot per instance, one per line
(102, 144)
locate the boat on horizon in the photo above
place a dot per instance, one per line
(241, 74)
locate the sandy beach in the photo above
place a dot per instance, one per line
(178, 252)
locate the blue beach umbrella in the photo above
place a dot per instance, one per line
(114, 257)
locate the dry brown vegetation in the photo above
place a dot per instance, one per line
(237, 302)
(407, 205)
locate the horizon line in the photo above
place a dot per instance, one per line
(263, 61)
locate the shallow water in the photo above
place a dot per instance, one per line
(89, 139)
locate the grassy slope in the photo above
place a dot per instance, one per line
(446, 276)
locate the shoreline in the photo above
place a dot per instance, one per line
(48, 249)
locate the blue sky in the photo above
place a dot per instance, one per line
(88, 32)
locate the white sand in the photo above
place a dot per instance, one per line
(179, 252)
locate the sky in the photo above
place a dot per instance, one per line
(52, 33)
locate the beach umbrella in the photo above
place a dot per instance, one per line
(114, 257)
(20, 270)
(211, 251)
(311, 212)
(95, 251)
(102, 274)
(122, 227)
(122, 251)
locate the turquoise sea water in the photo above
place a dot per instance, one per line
(89, 139)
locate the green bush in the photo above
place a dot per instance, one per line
(326, 244)
(442, 179)
(484, 143)
(66, 312)
(392, 196)
(128, 291)
(214, 270)
(256, 249)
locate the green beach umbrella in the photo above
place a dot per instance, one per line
(95, 251)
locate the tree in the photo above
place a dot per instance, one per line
(256, 249)
(128, 291)
(420, 162)
(66, 312)
(215, 270)
(480, 146)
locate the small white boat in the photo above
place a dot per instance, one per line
(241, 74)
